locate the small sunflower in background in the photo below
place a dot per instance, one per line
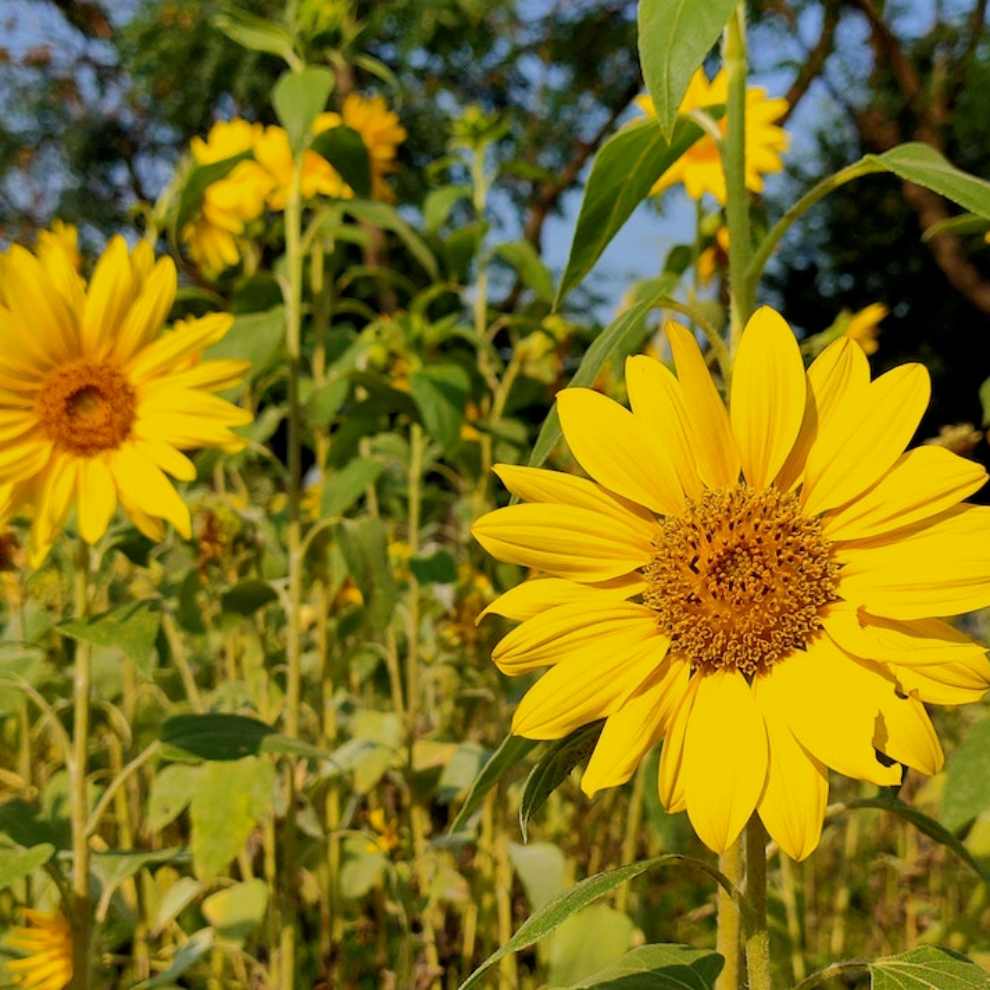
(761, 586)
(382, 134)
(700, 167)
(46, 942)
(97, 403)
(864, 326)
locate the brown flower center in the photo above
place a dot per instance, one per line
(86, 408)
(739, 580)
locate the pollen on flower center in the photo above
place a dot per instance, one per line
(739, 580)
(86, 408)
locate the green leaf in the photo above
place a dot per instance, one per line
(344, 487)
(541, 923)
(623, 173)
(674, 38)
(553, 768)
(525, 259)
(324, 402)
(171, 791)
(216, 736)
(438, 205)
(131, 628)
(440, 392)
(364, 544)
(247, 597)
(235, 912)
(658, 967)
(923, 165)
(256, 337)
(438, 568)
(175, 900)
(967, 779)
(15, 864)
(113, 868)
(255, 33)
(965, 223)
(195, 947)
(345, 150)
(595, 937)
(928, 968)
(228, 804)
(930, 827)
(542, 868)
(512, 751)
(388, 218)
(299, 98)
(618, 338)
(195, 185)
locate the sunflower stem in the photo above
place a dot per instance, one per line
(82, 908)
(730, 864)
(734, 165)
(756, 934)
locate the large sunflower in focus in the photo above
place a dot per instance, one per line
(759, 587)
(700, 167)
(97, 403)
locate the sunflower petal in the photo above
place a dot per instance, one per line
(672, 777)
(960, 682)
(535, 596)
(96, 500)
(148, 488)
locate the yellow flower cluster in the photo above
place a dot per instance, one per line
(262, 179)
(47, 943)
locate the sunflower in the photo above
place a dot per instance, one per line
(230, 203)
(47, 940)
(96, 402)
(381, 132)
(758, 586)
(864, 326)
(700, 167)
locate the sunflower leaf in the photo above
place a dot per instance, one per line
(299, 98)
(658, 967)
(967, 783)
(345, 150)
(927, 968)
(15, 864)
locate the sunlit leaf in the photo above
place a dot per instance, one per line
(299, 97)
(928, 968)
(657, 967)
(511, 752)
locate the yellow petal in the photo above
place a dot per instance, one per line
(171, 348)
(167, 458)
(539, 485)
(146, 315)
(561, 540)
(636, 727)
(903, 729)
(52, 504)
(959, 682)
(922, 483)
(769, 393)
(793, 803)
(672, 778)
(618, 450)
(829, 701)
(583, 689)
(941, 569)
(725, 758)
(712, 440)
(96, 500)
(539, 594)
(111, 290)
(914, 642)
(656, 399)
(583, 628)
(865, 438)
(149, 489)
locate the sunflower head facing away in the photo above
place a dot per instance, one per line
(700, 167)
(46, 942)
(97, 401)
(762, 587)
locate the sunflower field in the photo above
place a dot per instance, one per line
(492, 494)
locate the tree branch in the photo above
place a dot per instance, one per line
(815, 59)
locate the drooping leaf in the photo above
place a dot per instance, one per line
(344, 487)
(658, 967)
(928, 968)
(525, 259)
(299, 97)
(255, 337)
(509, 754)
(624, 171)
(967, 783)
(15, 864)
(388, 218)
(553, 768)
(440, 392)
(247, 597)
(255, 33)
(345, 150)
(674, 38)
(131, 628)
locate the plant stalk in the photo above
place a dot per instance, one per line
(756, 934)
(730, 864)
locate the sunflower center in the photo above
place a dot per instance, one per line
(739, 580)
(86, 407)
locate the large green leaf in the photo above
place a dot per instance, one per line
(967, 783)
(587, 942)
(299, 98)
(928, 968)
(624, 171)
(553, 914)
(508, 755)
(345, 150)
(225, 737)
(674, 38)
(553, 768)
(15, 864)
(131, 628)
(658, 967)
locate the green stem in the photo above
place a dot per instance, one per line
(82, 908)
(730, 864)
(734, 165)
(416, 444)
(756, 934)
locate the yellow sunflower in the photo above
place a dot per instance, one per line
(96, 402)
(230, 203)
(700, 167)
(758, 586)
(47, 942)
(318, 177)
(864, 326)
(381, 132)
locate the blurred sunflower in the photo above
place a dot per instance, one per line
(700, 167)
(318, 177)
(864, 326)
(230, 203)
(381, 132)
(96, 403)
(62, 237)
(47, 942)
(756, 586)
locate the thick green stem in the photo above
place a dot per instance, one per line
(730, 865)
(734, 164)
(756, 934)
(82, 908)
